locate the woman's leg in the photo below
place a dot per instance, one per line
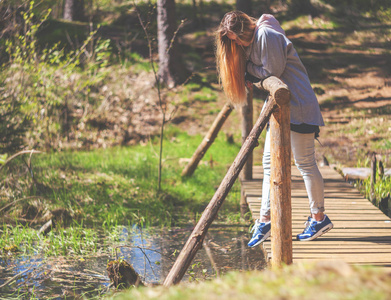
(265, 208)
(262, 227)
(303, 149)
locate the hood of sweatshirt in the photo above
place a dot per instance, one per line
(270, 21)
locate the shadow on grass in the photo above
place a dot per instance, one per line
(344, 102)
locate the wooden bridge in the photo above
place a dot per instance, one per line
(361, 233)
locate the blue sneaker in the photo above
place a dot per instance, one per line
(315, 229)
(261, 233)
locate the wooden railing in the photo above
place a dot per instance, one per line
(247, 171)
(277, 111)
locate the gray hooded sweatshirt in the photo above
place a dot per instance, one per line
(272, 54)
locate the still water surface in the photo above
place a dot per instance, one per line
(151, 252)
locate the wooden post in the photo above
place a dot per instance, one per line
(280, 184)
(381, 170)
(373, 178)
(247, 125)
(196, 238)
(207, 141)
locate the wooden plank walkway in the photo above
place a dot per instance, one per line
(361, 233)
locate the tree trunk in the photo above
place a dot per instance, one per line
(171, 69)
(68, 10)
(73, 10)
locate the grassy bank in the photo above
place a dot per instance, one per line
(323, 280)
(116, 186)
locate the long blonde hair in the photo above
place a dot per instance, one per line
(230, 57)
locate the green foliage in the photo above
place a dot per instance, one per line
(384, 14)
(41, 87)
(382, 190)
(13, 123)
(75, 240)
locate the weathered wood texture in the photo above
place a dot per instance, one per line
(280, 183)
(373, 176)
(247, 125)
(207, 141)
(196, 238)
(280, 189)
(361, 233)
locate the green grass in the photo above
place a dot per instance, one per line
(75, 240)
(381, 188)
(205, 95)
(322, 280)
(120, 183)
(134, 61)
(193, 92)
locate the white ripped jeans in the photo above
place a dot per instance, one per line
(303, 149)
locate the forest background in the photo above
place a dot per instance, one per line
(96, 120)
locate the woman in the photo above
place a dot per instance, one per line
(255, 50)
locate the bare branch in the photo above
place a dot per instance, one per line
(161, 104)
(175, 33)
(18, 154)
(149, 249)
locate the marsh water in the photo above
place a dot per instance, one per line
(151, 252)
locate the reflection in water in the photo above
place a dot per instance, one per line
(151, 252)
